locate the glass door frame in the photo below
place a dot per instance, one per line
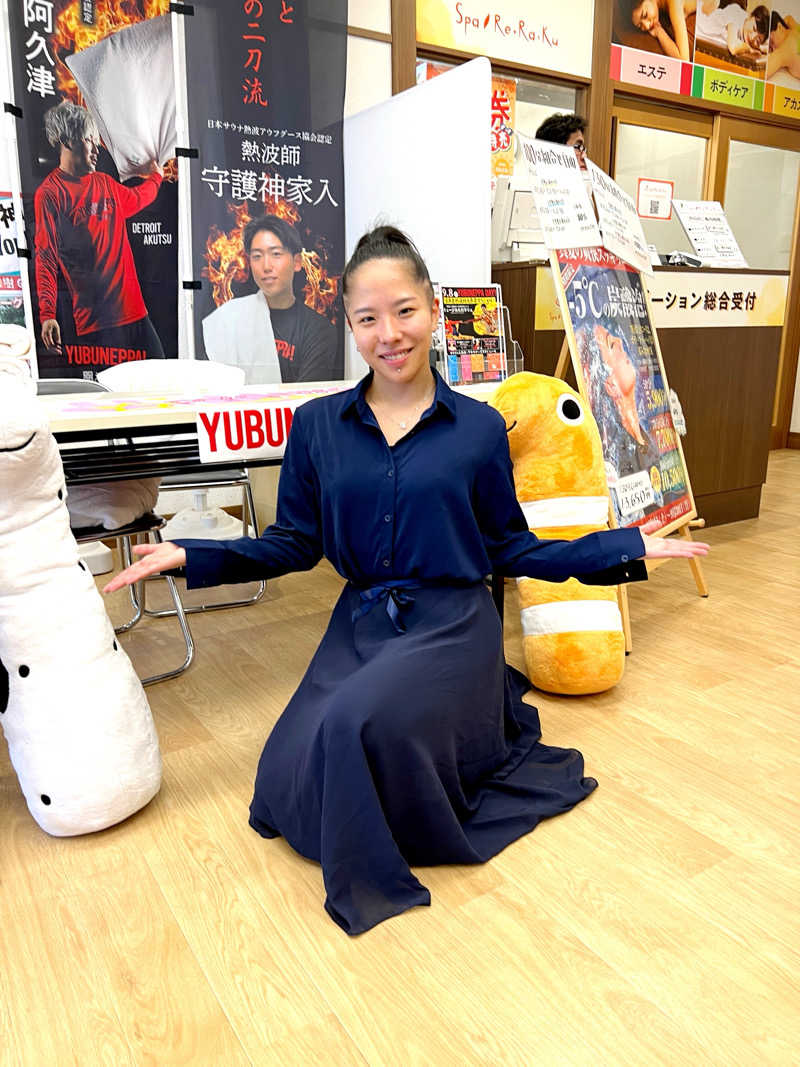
(635, 111)
(727, 129)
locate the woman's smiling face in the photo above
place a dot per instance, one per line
(645, 15)
(392, 316)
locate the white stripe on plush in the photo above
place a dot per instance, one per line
(566, 511)
(570, 616)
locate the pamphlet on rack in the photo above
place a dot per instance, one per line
(709, 232)
(471, 323)
(563, 205)
(619, 221)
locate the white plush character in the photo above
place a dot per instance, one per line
(78, 725)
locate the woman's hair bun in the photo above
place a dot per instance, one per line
(387, 242)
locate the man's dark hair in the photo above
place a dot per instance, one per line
(283, 230)
(560, 128)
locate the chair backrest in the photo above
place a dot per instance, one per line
(172, 375)
(52, 386)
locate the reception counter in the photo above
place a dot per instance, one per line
(720, 335)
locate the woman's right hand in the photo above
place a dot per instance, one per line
(155, 558)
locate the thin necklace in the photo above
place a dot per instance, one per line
(416, 411)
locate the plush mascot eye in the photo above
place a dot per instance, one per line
(569, 410)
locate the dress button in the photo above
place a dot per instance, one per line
(386, 563)
(390, 474)
(387, 518)
(624, 559)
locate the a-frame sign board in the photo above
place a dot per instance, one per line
(620, 374)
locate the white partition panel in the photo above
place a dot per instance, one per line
(421, 161)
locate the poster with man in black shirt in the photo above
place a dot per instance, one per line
(265, 97)
(272, 333)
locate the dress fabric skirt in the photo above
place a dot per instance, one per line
(408, 749)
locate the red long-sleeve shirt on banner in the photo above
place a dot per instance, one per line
(80, 230)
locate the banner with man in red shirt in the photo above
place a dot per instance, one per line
(94, 82)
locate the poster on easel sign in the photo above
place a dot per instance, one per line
(620, 373)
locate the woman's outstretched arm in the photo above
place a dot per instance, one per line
(677, 17)
(292, 543)
(606, 557)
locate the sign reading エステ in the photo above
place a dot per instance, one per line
(535, 32)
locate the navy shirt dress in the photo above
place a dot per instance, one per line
(407, 742)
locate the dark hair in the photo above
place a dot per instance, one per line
(284, 231)
(777, 21)
(387, 242)
(761, 16)
(560, 128)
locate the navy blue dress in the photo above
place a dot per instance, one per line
(407, 742)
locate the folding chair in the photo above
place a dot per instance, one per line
(149, 525)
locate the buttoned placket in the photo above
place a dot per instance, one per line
(389, 500)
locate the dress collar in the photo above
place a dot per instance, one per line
(355, 402)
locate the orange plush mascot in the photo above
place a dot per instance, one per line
(572, 633)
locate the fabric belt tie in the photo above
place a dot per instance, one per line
(397, 598)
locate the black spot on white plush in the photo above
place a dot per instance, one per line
(24, 671)
(3, 688)
(46, 799)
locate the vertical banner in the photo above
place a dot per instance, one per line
(94, 81)
(504, 103)
(265, 90)
(620, 371)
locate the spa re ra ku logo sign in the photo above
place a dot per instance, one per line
(500, 24)
(540, 33)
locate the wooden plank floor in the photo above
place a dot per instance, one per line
(655, 924)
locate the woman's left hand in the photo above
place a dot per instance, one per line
(672, 548)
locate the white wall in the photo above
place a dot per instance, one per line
(370, 15)
(421, 161)
(369, 73)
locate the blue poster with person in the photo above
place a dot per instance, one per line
(621, 373)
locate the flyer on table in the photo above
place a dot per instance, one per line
(709, 232)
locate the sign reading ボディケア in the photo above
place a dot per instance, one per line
(534, 32)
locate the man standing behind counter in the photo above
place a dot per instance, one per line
(271, 334)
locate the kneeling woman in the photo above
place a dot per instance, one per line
(407, 742)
